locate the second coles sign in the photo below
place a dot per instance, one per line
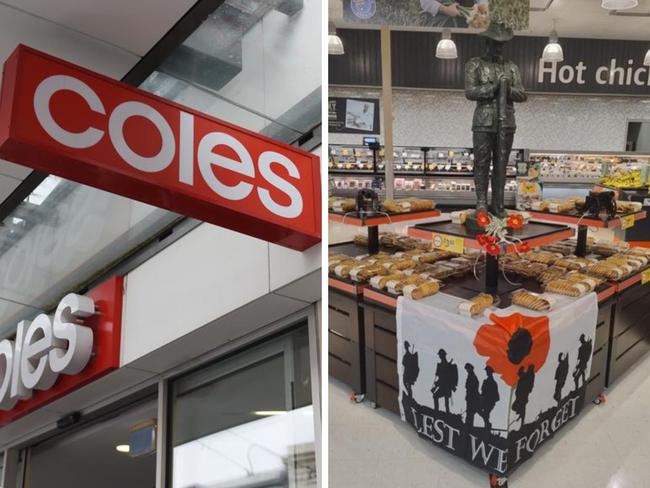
(64, 120)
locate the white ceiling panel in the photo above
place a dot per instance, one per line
(134, 25)
(7, 186)
(13, 170)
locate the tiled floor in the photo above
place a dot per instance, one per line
(606, 447)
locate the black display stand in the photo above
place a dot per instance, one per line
(584, 222)
(535, 234)
(372, 220)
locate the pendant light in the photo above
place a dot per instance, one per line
(553, 51)
(334, 42)
(446, 48)
(619, 4)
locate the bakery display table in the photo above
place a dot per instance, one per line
(456, 237)
(381, 343)
(372, 220)
(622, 221)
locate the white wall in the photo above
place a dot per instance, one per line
(553, 122)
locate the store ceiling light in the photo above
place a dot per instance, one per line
(334, 42)
(446, 48)
(553, 51)
(620, 4)
(269, 413)
(123, 448)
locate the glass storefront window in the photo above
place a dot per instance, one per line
(255, 63)
(247, 421)
(101, 455)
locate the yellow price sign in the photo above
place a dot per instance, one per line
(628, 222)
(645, 277)
(449, 243)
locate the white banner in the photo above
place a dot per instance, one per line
(492, 389)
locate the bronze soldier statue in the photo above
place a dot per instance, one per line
(495, 84)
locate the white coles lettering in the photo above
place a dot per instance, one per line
(181, 134)
(45, 348)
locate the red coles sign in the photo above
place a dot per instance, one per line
(52, 356)
(65, 120)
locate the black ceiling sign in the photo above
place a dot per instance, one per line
(590, 66)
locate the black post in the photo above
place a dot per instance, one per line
(425, 151)
(374, 160)
(491, 274)
(581, 247)
(373, 239)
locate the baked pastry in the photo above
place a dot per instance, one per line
(400, 265)
(551, 274)
(476, 305)
(591, 281)
(543, 257)
(408, 205)
(396, 286)
(573, 263)
(333, 265)
(338, 204)
(418, 292)
(531, 301)
(567, 288)
(380, 282)
(363, 273)
(607, 271)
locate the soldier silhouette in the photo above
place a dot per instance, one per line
(472, 396)
(489, 397)
(411, 368)
(446, 380)
(522, 392)
(584, 355)
(561, 373)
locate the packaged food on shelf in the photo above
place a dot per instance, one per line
(551, 273)
(578, 277)
(567, 288)
(380, 282)
(396, 286)
(363, 273)
(543, 257)
(418, 292)
(608, 271)
(623, 179)
(408, 205)
(340, 262)
(628, 207)
(532, 301)
(400, 265)
(608, 248)
(476, 305)
(573, 263)
(524, 268)
(338, 204)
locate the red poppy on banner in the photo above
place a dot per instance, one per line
(513, 342)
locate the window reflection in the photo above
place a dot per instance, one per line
(247, 421)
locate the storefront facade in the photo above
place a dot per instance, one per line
(215, 378)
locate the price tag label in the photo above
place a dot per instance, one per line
(645, 277)
(449, 243)
(627, 222)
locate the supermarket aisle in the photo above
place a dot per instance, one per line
(607, 447)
